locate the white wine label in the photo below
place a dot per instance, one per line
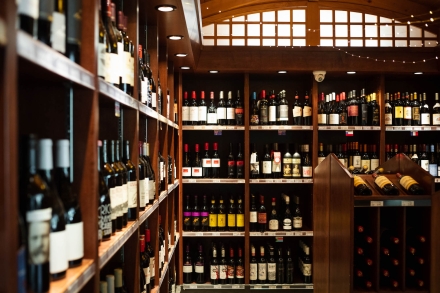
(433, 170)
(186, 172)
(58, 252)
(287, 224)
(152, 190)
(253, 272)
(193, 113)
(297, 111)
(212, 118)
(253, 158)
(284, 113)
(272, 113)
(202, 113)
(223, 269)
(334, 119)
(214, 274)
(407, 113)
(75, 241)
(366, 163)
(215, 163)
(147, 275)
(39, 215)
(435, 119)
(262, 271)
(112, 68)
(114, 203)
(230, 113)
(126, 75)
(206, 163)
(153, 98)
(58, 34)
(144, 92)
(142, 192)
(119, 199)
(426, 119)
(307, 111)
(389, 119)
(271, 271)
(185, 113)
(425, 165)
(253, 217)
(357, 161)
(221, 113)
(187, 269)
(307, 171)
(121, 68)
(29, 8)
(322, 118)
(124, 198)
(267, 168)
(152, 267)
(374, 164)
(132, 194)
(196, 172)
(381, 181)
(38, 241)
(273, 225)
(407, 182)
(297, 222)
(320, 159)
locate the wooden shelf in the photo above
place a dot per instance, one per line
(209, 286)
(3, 39)
(216, 181)
(143, 215)
(147, 111)
(282, 233)
(362, 128)
(108, 248)
(171, 187)
(213, 234)
(166, 264)
(281, 181)
(214, 127)
(281, 127)
(396, 201)
(282, 286)
(117, 95)
(45, 57)
(412, 128)
(75, 278)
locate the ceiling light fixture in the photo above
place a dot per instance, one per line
(185, 67)
(175, 37)
(282, 71)
(418, 73)
(351, 72)
(180, 54)
(213, 71)
(166, 8)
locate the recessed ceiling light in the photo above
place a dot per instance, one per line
(213, 71)
(282, 71)
(185, 67)
(351, 72)
(418, 72)
(180, 54)
(166, 8)
(175, 37)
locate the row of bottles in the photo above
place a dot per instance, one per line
(54, 23)
(199, 216)
(54, 226)
(147, 262)
(280, 218)
(114, 280)
(361, 110)
(223, 113)
(273, 164)
(271, 109)
(226, 266)
(426, 155)
(406, 109)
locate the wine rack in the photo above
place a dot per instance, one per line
(369, 222)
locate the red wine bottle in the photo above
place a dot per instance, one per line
(131, 182)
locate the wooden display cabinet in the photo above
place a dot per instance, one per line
(337, 237)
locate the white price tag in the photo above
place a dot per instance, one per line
(217, 286)
(407, 203)
(285, 287)
(199, 233)
(309, 287)
(272, 287)
(236, 234)
(216, 180)
(193, 286)
(257, 287)
(216, 234)
(192, 180)
(376, 203)
(235, 286)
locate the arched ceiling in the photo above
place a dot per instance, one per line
(218, 10)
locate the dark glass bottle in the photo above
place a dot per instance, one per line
(297, 111)
(240, 162)
(230, 110)
(195, 215)
(255, 112)
(239, 110)
(196, 170)
(388, 110)
(110, 176)
(307, 111)
(297, 215)
(223, 265)
(296, 164)
(276, 162)
(240, 214)
(410, 185)
(132, 183)
(221, 110)
(123, 172)
(162, 172)
(253, 272)
(253, 216)
(287, 217)
(73, 30)
(231, 267)
(360, 187)
(187, 267)
(212, 111)
(215, 162)
(287, 163)
(283, 106)
(213, 216)
(203, 109)
(150, 252)
(272, 108)
(254, 163)
(193, 110)
(118, 187)
(204, 215)
(45, 16)
(398, 110)
(199, 267)
(267, 163)
(232, 225)
(264, 109)
(363, 109)
(214, 267)
(231, 163)
(273, 218)
(262, 216)
(187, 213)
(143, 180)
(239, 267)
(150, 172)
(289, 267)
(262, 267)
(145, 266)
(185, 110)
(186, 168)
(271, 266)
(206, 163)
(387, 187)
(221, 215)
(104, 207)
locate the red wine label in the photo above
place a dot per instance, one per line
(353, 110)
(307, 171)
(262, 218)
(239, 111)
(255, 120)
(214, 272)
(231, 163)
(231, 272)
(196, 172)
(239, 272)
(240, 163)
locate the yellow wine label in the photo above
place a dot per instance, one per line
(407, 182)
(221, 220)
(240, 220)
(358, 181)
(231, 220)
(381, 181)
(212, 220)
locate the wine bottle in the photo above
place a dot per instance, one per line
(322, 114)
(287, 217)
(230, 110)
(204, 216)
(307, 169)
(232, 225)
(214, 267)
(262, 267)
(203, 109)
(110, 280)
(306, 265)
(398, 110)
(240, 162)
(187, 267)
(143, 179)
(253, 216)
(162, 172)
(231, 163)
(110, 178)
(196, 170)
(131, 182)
(255, 119)
(262, 216)
(254, 163)
(289, 267)
(272, 109)
(253, 272)
(407, 110)
(435, 112)
(267, 163)
(206, 163)
(119, 283)
(239, 267)
(195, 215)
(213, 216)
(111, 55)
(212, 111)
(73, 30)
(231, 267)
(150, 172)
(334, 112)
(223, 266)
(215, 162)
(287, 163)
(283, 106)
(296, 164)
(170, 170)
(186, 168)
(273, 218)
(388, 110)
(28, 15)
(239, 110)
(363, 107)
(276, 162)
(161, 246)
(271, 266)
(297, 110)
(280, 273)
(185, 110)
(125, 82)
(360, 187)
(221, 110)
(387, 187)
(34, 192)
(187, 221)
(240, 214)
(124, 173)
(374, 112)
(425, 116)
(297, 215)
(74, 223)
(307, 111)
(45, 11)
(353, 110)
(193, 110)
(151, 254)
(58, 235)
(221, 215)
(264, 109)
(59, 38)
(145, 265)
(424, 160)
(104, 206)
(410, 185)
(321, 155)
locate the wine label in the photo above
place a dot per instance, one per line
(105, 219)
(142, 192)
(231, 272)
(114, 203)
(231, 220)
(425, 165)
(185, 113)
(255, 120)
(187, 268)
(297, 111)
(111, 73)
(152, 267)
(307, 171)
(407, 113)
(255, 168)
(334, 119)
(202, 113)
(415, 113)
(388, 119)
(119, 200)
(196, 171)
(230, 113)
(381, 181)
(215, 163)
(307, 111)
(147, 275)
(267, 167)
(221, 113)
(287, 224)
(240, 220)
(263, 114)
(75, 241)
(365, 163)
(221, 220)
(186, 172)
(152, 190)
(186, 219)
(357, 161)
(144, 92)
(320, 159)
(271, 271)
(153, 97)
(223, 272)
(29, 8)
(322, 119)
(127, 69)
(131, 70)
(239, 272)
(38, 239)
(273, 225)
(212, 118)
(204, 219)
(253, 218)
(435, 119)
(284, 113)
(287, 167)
(124, 198)
(213, 220)
(353, 111)
(262, 271)
(262, 218)
(426, 119)
(276, 162)
(297, 222)
(58, 252)
(433, 170)
(296, 171)
(358, 181)
(374, 164)
(305, 268)
(272, 113)
(407, 182)
(398, 112)
(239, 116)
(193, 113)
(206, 163)
(213, 272)
(58, 36)
(253, 272)
(132, 194)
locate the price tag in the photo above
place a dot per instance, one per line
(407, 203)
(376, 203)
(199, 233)
(117, 109)
(218, 132)
(281, 132)
(257, 287)
(216, 234)
(216, 180)
(193, 286)
(272, 287)
(309, 287)
(44, 57)
(235, 286)
(192, 180)
(285, 287)
(236, 234)
(74, 73)
(217, 286)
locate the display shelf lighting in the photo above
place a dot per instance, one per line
(282, 71)
(351, 72)
(185, 67)
(418, 72)
(180, 54)
(166, 8)
(175, 37)
(213, 71)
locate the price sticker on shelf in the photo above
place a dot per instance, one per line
(218, 132)
(257, 287)
(117, 109)
(272, 287)
(235, 286)
(216, 181)
(285, 287)
(376, 203)
(193, 286)
(217, 286)
(281, 132)
(407, 203)
(309, 287)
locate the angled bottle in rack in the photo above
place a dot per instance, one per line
(360, 187)
(385, 185)
(230, 110)
(104, 205)
(410, 185)
(212, 111)
(74, 222)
